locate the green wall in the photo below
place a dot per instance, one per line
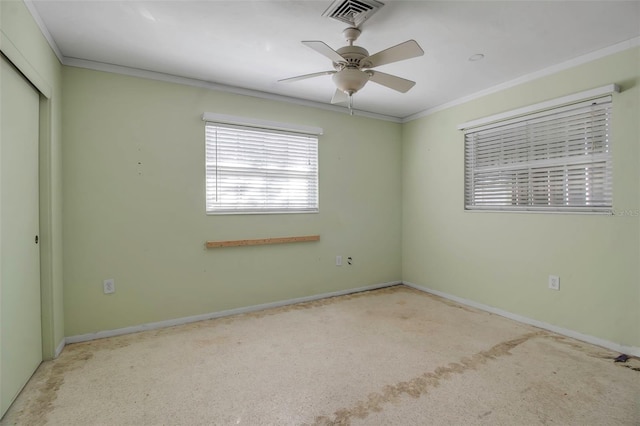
(23, 43)
(503, 259)
(134, 206)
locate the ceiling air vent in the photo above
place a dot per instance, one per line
(352, 12)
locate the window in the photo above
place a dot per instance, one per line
(555, 160)
(258, 170)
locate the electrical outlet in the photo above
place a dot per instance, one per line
(109, 286)
(338, 260)
(554, 282)
(350, 260)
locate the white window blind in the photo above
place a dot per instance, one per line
(250, 170)
(556, 160)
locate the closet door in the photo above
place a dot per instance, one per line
(20, 308)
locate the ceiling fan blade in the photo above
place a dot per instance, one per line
(407, 50)
(323, 49)
(391, 81)
(305, 76)
(339, 97)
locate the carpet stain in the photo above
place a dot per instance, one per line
(450, 302)
(585, 348)
(633, 363)
(485, 414)
(50, 377)
(326, 301)
(632, 368)
(420, 385)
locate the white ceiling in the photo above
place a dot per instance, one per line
(252, 44)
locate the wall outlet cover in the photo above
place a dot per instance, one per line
(109, 286)
(554, 282)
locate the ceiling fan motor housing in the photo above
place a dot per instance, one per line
(354, 56)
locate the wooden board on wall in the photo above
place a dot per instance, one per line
(262, 241)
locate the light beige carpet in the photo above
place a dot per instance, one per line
(392, 356)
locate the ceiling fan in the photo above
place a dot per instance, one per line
(353, 66)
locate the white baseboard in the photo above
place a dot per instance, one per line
(629, 350)
(59, 348)
(187, 320)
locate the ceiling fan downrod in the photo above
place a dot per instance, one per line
(351, 34)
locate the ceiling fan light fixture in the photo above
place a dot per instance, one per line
(350, 80)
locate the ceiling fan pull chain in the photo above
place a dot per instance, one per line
(350, 104)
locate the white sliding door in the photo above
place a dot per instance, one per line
(20, 307)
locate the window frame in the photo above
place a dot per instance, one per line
(257, 135)
(559, 168)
